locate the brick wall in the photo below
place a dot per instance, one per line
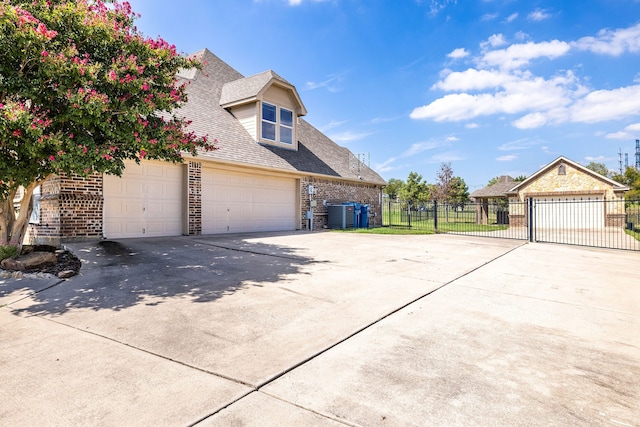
(338, 191)
(70, 209)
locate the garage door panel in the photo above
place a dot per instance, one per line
(145, 201)
(569, 213)
(236, 202)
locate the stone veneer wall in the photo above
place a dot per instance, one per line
(338, 191)
(194, 209)
(70, 209)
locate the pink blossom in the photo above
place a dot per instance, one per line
(142, 153)
(44, 53)
(145, 86)
(112, 75)
(17, 133)
(52, 158)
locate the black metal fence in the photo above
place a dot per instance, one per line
(586, 222)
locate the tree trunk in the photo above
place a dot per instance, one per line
(13, 229)
(7, 218)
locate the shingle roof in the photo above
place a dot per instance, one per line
(248, 87)
(316, 154)
(497, 190)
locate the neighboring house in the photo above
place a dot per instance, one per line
(273, 171)
(568, 195)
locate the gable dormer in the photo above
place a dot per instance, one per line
(267, 106)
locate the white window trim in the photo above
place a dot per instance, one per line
(278, 125)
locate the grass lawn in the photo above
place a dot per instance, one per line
(427, 227)
(634, 234)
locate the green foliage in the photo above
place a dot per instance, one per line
(81, 91)
(458, 191)
(393, 188)
(599, 168)
(8, 251)
(496, 179)
(630, 178)
(416, 190)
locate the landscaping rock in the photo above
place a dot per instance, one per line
(32, 261)
(66, 274)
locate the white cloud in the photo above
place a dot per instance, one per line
(445, 157)
(333, 124)
(489, 16)
(349, 136)
(458, 53)
(452, 139)
(531, 121)
(472, 126)
(299, 2)
(435, 6)
(612, 42)
(519, 55)
(496, 40)
(473, 79)
(600, 159)
(332, 83)
(507, 158)
(629, 132)
(526, 94)
(604, 105)
(420, 147)
(519, 144)
(415, 149)
(538, 15)
(511, 17)
(618, 135)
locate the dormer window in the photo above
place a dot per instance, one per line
(562, 170)
(277, 124)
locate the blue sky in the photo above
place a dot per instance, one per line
(493, 86)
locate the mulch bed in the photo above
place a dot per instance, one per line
(66, 260)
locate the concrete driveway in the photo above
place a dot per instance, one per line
(325, 329)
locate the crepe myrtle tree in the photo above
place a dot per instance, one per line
(81, 91)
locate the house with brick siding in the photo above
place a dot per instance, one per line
(566, 194)
(273, 171)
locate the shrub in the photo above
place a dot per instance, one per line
(8, 251)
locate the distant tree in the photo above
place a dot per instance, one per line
(599, 168)
(496, 179)
(493, 180)
(393, 188)
(458, 192)
(445, 173)
(416, 190)
(630, 178)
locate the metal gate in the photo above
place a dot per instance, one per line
(592, 222)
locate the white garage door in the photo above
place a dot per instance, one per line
(145, 202)
(573, 212)
(234, 202)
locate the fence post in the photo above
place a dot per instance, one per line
(531, 219)
(435, 215)
(409, 213)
